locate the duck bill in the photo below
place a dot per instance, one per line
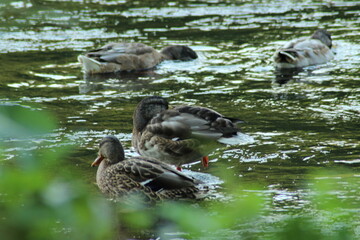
(97, 161)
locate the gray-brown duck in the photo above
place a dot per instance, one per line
(305, 51)
(153, 180)
(180, 135)
(115, 57)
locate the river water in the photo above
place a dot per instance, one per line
(300, 121)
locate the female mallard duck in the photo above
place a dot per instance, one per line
(118, 177)
(305, 51)
(180, 135)
(115, 57)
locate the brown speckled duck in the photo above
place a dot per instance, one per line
(153, 180)
(179, 135)
(115, 57)
(305, 51)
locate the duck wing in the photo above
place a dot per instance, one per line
(156, 175)
(171, 124)
(310, 44)
(110, 52)
(216, 125)
(185, 122)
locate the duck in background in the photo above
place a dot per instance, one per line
(147, 178)
(180, 135)
(305, 51)
(115, 57)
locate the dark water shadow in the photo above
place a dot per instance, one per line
(283, 76)
(309, 74)
(124, 81)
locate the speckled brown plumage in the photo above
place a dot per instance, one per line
(118, 177)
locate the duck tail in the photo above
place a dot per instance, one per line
(89, 65)
(286, 56)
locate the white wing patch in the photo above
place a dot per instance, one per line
(238, 139)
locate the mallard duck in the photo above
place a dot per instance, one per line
(179, 135)
(115, 57)
(305, 51)
(153, 180)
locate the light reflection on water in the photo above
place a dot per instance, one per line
(301, 120)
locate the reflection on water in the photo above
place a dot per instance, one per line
(282, 76)
(301, 120)
(121, 81)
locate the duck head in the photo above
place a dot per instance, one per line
(147, 109)
(324, 36)
(110, 150)
(178, 52)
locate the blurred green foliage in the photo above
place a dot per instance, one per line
(246, 215)
(38, 201)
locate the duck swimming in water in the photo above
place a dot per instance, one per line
(153, 180)
(305, 51)
(115, 57)
(179, 135)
